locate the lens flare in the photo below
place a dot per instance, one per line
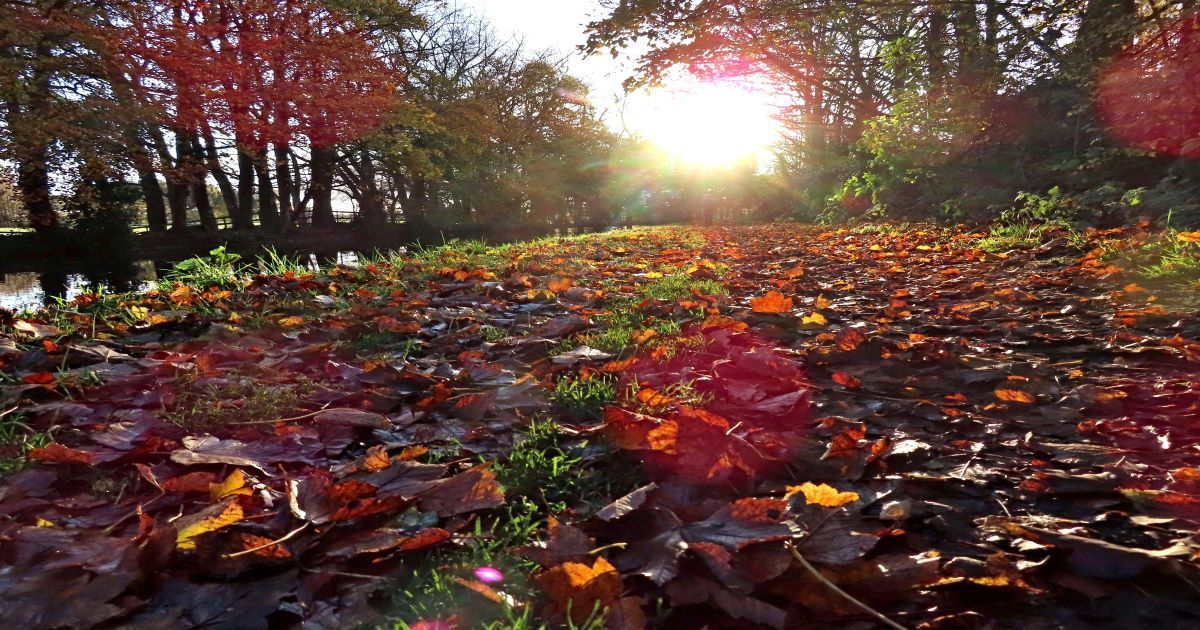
(1147, 96)
(489, 575)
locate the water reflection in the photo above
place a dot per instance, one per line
(30, 289)
(22, 290)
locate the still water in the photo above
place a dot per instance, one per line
(22, 290)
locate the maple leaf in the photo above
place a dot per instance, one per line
(579, 588)
(772, 302)
(823, 495)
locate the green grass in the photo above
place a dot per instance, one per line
(1170, 257)
(492, 333)
(241, 399)
(584, 397)
(219, 268)
(375, 343)
(678, 286)
(1004, 237)
(272, 263)
(1166, 256)
(16, 440)
(545, 473)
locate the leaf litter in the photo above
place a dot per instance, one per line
(889, 428)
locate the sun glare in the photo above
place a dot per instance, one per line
(709, 124)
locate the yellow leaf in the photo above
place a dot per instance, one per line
(41, 522)
(291, 322)
(822, 302)
(815, 318)
(208, 520)
(235, 483)
(1188, 237)
(823, 495)
(1015, 395)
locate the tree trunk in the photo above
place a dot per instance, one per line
(213, 159)
(268, 212)
(33, 181)
(935, 46)
(283, 182)
(156, 209)
(371, 203)
(243, 219)
(322, 186)
(32, 149)
(177, 198)
(208, 220)
(198, 176)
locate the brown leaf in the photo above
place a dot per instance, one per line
(626, 504)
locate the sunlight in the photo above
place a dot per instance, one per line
(708, 124)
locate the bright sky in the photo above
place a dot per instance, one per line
(706, 123)
(550, 24)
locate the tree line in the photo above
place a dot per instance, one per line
(271, 114)
(954, 108)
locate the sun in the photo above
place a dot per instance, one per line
(709, 123)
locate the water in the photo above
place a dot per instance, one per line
(24, 290)
(42, 282)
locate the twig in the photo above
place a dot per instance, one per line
(834, 587)
(285, 538)
(295, 418)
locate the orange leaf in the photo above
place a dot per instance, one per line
(720, 321)
(653, 398)
(1014, 395)
(55, 452)
(823, 495)
(640, 337)
(846, 380)
(772, 302)
(579, 588)
(559, 284)
(1188, 237)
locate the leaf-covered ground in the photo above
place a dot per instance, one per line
(780, 426)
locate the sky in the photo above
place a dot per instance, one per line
(558, 25)
(733, 119)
